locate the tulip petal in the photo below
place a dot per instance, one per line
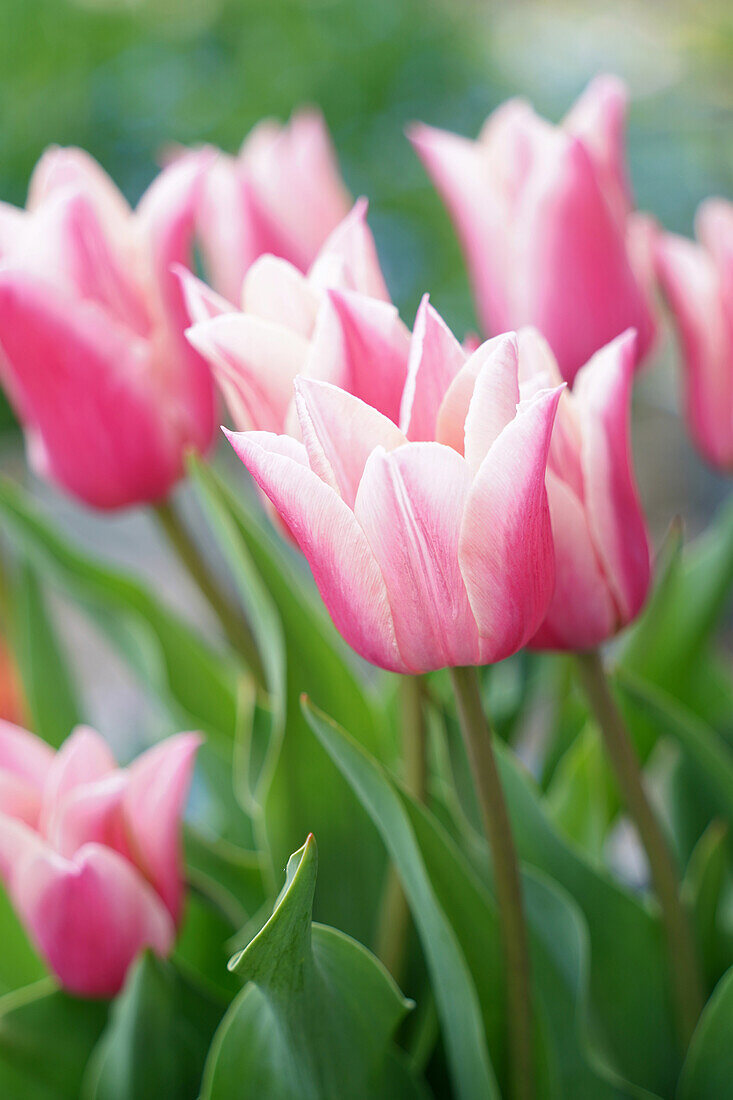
(254, 362)
(84, 757)
(90, 916)
(89, 813)
(62, 168)
(202, 303)
(276, 291)
(343, 565)
(361, 345)
(227, 228)
(350, 251)
(435, 359)
(598, 118)
(505, 545)
(340, 432)
(615, 518)
(494, 400)
(410, 504)
(582, 613)
(12, 227)
(83, 389)
(451, 419)
(154, 800)
(24, 755)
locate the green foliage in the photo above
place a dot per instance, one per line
(317, 1014)
(708, 1068)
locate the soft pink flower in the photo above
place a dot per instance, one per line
(90, 854)
(92, 350)
(545, 218)
(282, 194)
(698, 282)
(336, 323)
(601, 543)
(430, 542)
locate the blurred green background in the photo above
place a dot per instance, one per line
(124, 78)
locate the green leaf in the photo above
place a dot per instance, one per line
(197, 683)
(47, 685)
(316, 1017)
(46, 1038)
(156, 1041)
(708, 1068)
(452, 981)
(581, 798)
(703, 885)
(19, 963)
(291, 777)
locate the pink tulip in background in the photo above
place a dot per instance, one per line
(336, 323)
(90, 854)
(92, 350)
(602, 554)
(698, 282)
(430, 543)
(282, 194)
(544, 214)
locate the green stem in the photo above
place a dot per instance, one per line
(233, 623)
(394, 912)
(683, 960)
(478, 740)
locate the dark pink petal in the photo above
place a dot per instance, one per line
(435, 359)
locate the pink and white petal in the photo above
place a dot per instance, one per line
(19, 798)
(202, 303)
(255, 363)
(276, 291)
(88, 813)
(612, 505)
(84, 758)
(19, 842)
(154, 801)
(340, 432)
(343, 565)
(536, 361)
(351, 246)
(24, 755)
(361, 345)
(89, 917)
(226, 228)
(598, 118)
(505, 547)
(12, 228)
(494, 400)
(435, 359)
(410, 503)
(582, 613)
(83, 389)
(60, 168)
(451, 419)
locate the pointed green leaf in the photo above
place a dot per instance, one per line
(708, 1070)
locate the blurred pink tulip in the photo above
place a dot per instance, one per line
(92, 346)
(544, 216)
(601, 544)
(90, 854)
(430, 543)
(336, 323)
(698, 282)
(282, 195)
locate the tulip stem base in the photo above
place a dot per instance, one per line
(478, 740)
(683, 960)
(394, 914)
(233, 623)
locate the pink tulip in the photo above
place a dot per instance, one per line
(698, 282)
(282, 195)
(92, 351)
(600, 537)
(544, 216)
(336, 323)
(90, 854)
(430, 542)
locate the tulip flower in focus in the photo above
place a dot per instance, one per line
(282, 194)
(430, 543)
(698, 282)
(90, 854)
(602, 555)
(544, 214)
(336, 323)
(92, 350)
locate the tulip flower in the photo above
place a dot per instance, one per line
(432, 551)
(545, 220)
(282, 195)
(698, 282)
(336, 323)
(92, 351)
(90, 854)
(602, 554)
